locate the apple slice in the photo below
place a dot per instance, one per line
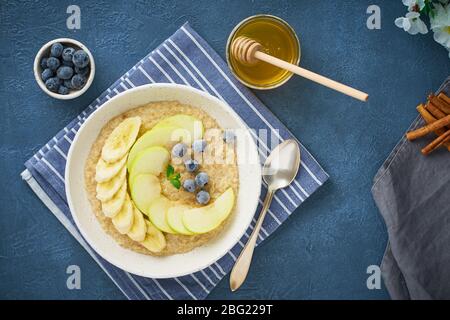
(152, 160)
(123, 221)
(112, 207)
(157, 214)
(205, 219)
(190, 123)
(105, 171)
(174, 219)
(164, 136)
(144, 189)
(121, 139)
(107, 190)
(154, 239)
(139, 228)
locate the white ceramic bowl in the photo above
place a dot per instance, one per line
(175, 265)
(45, 52)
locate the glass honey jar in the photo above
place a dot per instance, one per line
(278, 39)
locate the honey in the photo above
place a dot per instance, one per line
(277, 38)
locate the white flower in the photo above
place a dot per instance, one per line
(440, 24)
(412, 3)
(412, 23)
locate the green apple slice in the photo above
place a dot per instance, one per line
(112, 207)
(174, 219)
(105, 171)
(107, 190)
(139, 228)
(164, 136)
(144, 189)
(152, 160)
(157, 213)
(205, 219)
(121, 139)
(154, 240)
(190, 123)
(123, 221)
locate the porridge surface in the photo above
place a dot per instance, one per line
(222, 175)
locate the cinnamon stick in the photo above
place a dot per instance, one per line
(444, 97)
(435, 111)
(438, 124)
(428, 117)
(436, 143)
(440, 104)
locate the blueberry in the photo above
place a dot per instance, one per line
(179, 150)
(191, 165)
(199, 145)
(63, 90)
(201, 179)
(46, 74)
(83, 71)
(56, 50)
(53, 63)
(189, 185)
(78, 81)
(67, 63)
(53, 84)
(67, 54)
(80, 59)
(44, 63)
(68, 83)
(203, 197)
(229, 136)
(64, 72)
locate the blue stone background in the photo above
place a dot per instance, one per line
(324, 249)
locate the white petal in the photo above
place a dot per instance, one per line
(421, 4)
(447, 42)
(439, 37)
(422, 27)
(399, 22)
(412, 15)
(413, 29)
(407, 25)
(409, 3)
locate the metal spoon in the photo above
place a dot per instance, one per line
(279, 171)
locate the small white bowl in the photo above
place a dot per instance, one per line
(45, 52)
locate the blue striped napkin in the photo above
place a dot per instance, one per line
(184, 58)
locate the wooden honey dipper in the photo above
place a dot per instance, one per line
(250, 51)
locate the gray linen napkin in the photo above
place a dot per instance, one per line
(412, 193)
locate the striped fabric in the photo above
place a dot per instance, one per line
(184, 58)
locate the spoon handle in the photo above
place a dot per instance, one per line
(242, 265)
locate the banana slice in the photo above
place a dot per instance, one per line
(121, 139)
(107, 190)
(112, 207)
(139, 228)
(123, 221)
(154, 239)
(105, 171)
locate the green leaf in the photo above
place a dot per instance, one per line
(169, 171)
(177, 176)
(176, 183)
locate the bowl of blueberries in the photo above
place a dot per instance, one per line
(64, 68)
